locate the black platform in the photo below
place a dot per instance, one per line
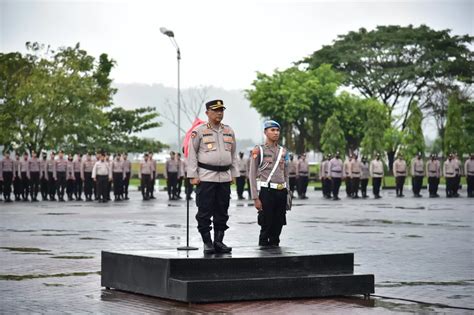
(246, 274)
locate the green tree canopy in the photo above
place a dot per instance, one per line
(375, 127)
(332, 138)
(454, 132)
(413, 140)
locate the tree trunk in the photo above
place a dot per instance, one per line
(391, 159)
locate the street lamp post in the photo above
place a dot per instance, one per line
(170, 34)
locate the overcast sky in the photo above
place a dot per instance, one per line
(223, 43)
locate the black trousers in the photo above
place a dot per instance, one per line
(457, 183)
(348, 186)
(118, 183)
(399, 182)
(240, 186)
(1, 187)
(126, 182)
(17, 186)
(212, 200)
(303, 185)
(152, 183)
(34, 184)
(88, 184)
(336, 184)
(292, 184)
(273, 215)
(102, 182)
(417, 183)
(25, 186)
(145, 185)
(470, 185)
(363, 186)
(44, 187)
(433, 183)
(450, 183)
(178, 186)
(171, 183)
(328, 184)
(376, 183)
(78, 185)
(7, 184)
(51, 185)
(70, 186)
(60, 184)
(355, 186)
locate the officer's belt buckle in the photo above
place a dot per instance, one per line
(280, 186)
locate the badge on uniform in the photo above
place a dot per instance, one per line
(193, 134)
(209, 145)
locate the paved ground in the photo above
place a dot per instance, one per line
(418, 249)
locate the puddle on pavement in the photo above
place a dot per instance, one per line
(413, 236)
(53, 284)
(410, 208)
(173, 225)
(72, 257)
(38, 276)
(458, 296)
(249, 222)
(21, 231)
(59, 213)
(25, 249)
(92, 239)
(64, 234)
(53, 230)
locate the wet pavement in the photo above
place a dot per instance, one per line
(419, 249)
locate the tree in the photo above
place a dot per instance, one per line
(395, 64)
(413, 140)
(53, 99)
(391, 139)
(375, 127)
(332, 138)
(454, 132)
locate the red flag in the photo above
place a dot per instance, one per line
(196, 123)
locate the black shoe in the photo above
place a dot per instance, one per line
(219, 246)
(207, 243)
(152, 197)
(355, 197)
(336, 198)
(126, 198)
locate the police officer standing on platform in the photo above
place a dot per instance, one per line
(302, 175)
(400, 173)
(376, 172)
(433, 171)
(242, 162)
(212, 165)
(171, 175)
(417, 173)
(469, 172)
(102, 175)
(269, 181)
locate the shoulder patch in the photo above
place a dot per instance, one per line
(194, 134)
(255, 152)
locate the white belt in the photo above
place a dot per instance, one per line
(271, 185)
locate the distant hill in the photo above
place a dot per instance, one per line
(245, 120)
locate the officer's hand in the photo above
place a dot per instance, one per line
(195, 181)
(258, 204)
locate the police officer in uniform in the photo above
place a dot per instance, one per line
(469, 172)
(376, 172)
(70, 178)
(61, 175)
(34, 169)
(354, 173)
(8, 166)
(44, 177)
(17, 187)
(269, 181)
(127, 167)
(187, 183)
(449, 171)
(118, 174)
(87, 166)
(102, 175)
(77, 175)
(171, 175)
(322, 175)
(302, 175)
(242, 162)
(458, 169)
(212, 165)
(347, 176)
(335, 175)
(433, 171)
(180, 176)
(51, 169)
(400, 173)
(417, 173)
(292, 170)
(153, 174)
(145, 173)
(25, 180)
(364, 176)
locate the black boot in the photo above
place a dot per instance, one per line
(206, 239)
(219, 246)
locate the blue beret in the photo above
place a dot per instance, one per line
(270, 124)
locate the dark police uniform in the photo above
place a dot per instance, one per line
(17, 187)
(400, 173)
(51, 169)
(213, 160)
(78, 184)
(272, 191)
(87, 166)
(44, 178)
(61, 173)
(376, 172)
(8, 166)
(25, 177)
(171, 175)
(433, 171)
(417, 174)
(102, 174)
(34, 169)
(127, 167)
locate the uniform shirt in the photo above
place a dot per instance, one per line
(292, 166)
(302, 168)
(213, 146)
(44, 168)
(449, 168)
(171, 166)
(77, 165)
(101, 168)
(335, 167)
(117, 167)
(417, 167)
(433, 168)
(16, 168)
(87, 166)
(127, 166)
(61, 165)
(364, 170)
(323, 169)
(469, 167)
(24, 166)
(355, 169)
(153, 164)
(262, 163)
(51, 166)
(376, 168)
(8, 165)
(181, 168)
(33, 166)
(70, 170)
(399, 168)
(347, 167)
(458, 166)
(146, 168)
(242, 163)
